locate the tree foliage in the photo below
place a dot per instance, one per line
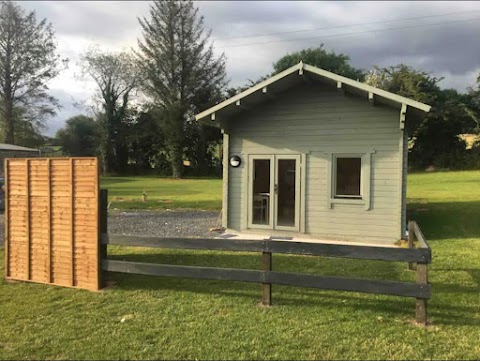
(405, 81)
(146, 143)
(319, 57)
(28, 61)
(182, 74)
(116, 76)
(435, 139)
(80, 137)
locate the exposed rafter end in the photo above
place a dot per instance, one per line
(340, 87)
(371, 98)
(403, 113)
(213, 117)
(239, 104)
(300, 69)
(268, 94)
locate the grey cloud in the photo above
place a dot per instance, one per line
(450, 50)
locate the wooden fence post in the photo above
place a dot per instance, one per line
(421, 307)
(411, 239)
(103, 229)
(267, 287)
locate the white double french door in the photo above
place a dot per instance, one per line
(274, 192)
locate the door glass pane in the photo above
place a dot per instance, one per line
(261, 191)
(286, 193)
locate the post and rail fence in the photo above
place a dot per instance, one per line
(420, 255)
(56, 232)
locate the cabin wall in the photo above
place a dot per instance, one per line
(316, 121)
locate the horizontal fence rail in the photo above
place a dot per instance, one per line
(418, 253)
(273, 246)
(280, 278)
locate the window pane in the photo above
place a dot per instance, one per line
(286, 193)
(348, 177)
(261, 191)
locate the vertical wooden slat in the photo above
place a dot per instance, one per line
(421, 304)
(102, 229)
(72, 224)
(49, 222)
(411, 239)
(266, 287)
(6, 165)
(27, 216)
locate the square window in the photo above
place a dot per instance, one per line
(348, 177)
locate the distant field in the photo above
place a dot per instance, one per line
(163, 193)
(143, 317)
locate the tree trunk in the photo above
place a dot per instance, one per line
(9, 126)
(176, 159)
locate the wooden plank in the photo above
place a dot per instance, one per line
(27, 221)
(411, 239)
(349, 251)
(225, 274)
(6, 167)
(103, 228)
(226, 165)
(403, 289)
(72, 224)
(421, 304)
(282, 278)
(245, 245)
(266, 287)
(184, 243)
(420, 237)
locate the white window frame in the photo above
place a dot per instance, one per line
(365, 177)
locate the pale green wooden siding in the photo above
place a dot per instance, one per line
(404, 184)
(317, 120)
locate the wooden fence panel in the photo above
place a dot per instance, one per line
(51, 221)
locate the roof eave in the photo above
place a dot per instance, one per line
(300, 67)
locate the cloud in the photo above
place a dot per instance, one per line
(369, 32)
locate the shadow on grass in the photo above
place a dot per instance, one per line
(446, 220)
(299, 298)
(105, 182)
(443, 309)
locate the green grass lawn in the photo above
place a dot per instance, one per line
(163, 193)
(144, 317)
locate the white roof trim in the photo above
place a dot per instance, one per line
(305, 67)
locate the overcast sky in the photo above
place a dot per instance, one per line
(441, 37)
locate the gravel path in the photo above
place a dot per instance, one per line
(163, 223)
(156, 223)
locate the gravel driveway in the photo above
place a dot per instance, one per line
(156, 223)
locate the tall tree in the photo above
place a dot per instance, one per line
(28, 60)
(181, 71)
(319, 57)
(116, 76)
(80, 137)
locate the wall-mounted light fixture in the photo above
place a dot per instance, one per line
(235, 161)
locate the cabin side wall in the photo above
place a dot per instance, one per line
(317, 121)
